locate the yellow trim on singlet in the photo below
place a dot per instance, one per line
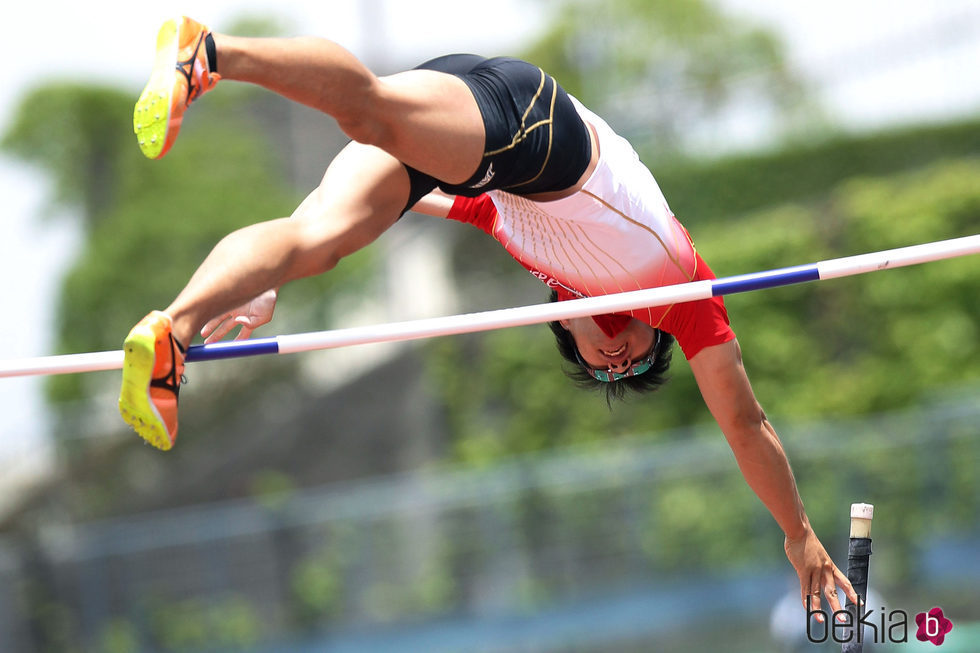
(569, 243)
(694, 248)
(595, 247)
(584, 253)
(653, 233)
(693, 276)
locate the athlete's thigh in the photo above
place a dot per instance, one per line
(363, 192)
(432, 123)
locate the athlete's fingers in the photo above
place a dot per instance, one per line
(833, 601)
(244, 334)
(845, 584)
(219, 330)
(246, 331)
(213, 324)
(811, 595)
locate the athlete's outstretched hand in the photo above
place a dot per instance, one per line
(818, 574)
(250, 316)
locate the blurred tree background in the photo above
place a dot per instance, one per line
(676, 75)
(672, 70)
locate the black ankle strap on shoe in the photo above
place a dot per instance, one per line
(212, 52)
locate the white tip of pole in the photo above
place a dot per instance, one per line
(861, 514)
(862, 511)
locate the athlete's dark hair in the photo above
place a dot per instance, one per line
(649, 381)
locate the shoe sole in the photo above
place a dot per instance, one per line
(134, 397)
(151, 117)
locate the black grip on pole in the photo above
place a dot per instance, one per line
(858, 559)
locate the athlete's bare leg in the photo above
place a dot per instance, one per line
(426, 119)
(362, 194)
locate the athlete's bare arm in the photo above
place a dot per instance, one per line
(762, 460)
(436, 204)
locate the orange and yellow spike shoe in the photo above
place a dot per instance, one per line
(152, 373)
(180, 75)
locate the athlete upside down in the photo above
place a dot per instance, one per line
(493, 142)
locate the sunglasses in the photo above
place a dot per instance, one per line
(636, 367)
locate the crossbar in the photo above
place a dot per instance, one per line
(519, 316)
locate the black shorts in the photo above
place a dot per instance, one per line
(535, 140)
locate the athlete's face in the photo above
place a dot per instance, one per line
(615, 354)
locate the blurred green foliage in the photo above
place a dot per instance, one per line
(660, 69)
(217, 624)
(722, 190)
(149, 224)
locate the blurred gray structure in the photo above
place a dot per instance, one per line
(551, 552)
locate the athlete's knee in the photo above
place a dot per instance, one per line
(387, 109)
(365, 129)
(314, 246)
(364, 117)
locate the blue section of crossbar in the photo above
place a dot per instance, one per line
(768, 279)
(232, 349)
